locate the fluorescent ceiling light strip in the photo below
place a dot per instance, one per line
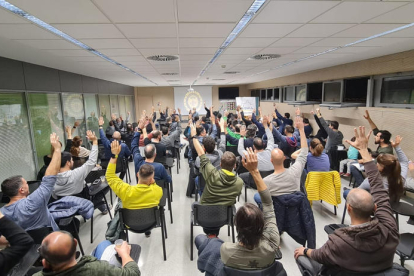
(6, 5)
(247, 17)
(336, 48)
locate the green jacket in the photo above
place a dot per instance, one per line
(221, 188)
(232, 134)
(91, 266)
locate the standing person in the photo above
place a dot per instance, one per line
(382, 137)
(335, 137)
(375, 251)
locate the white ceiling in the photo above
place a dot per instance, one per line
(128, 31)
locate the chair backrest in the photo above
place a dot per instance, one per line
(93, 175)
(173, 151)
(212, 215)
(233, 149)
(39, 234)
(276, 269)
(324, 185)
(395, 270)
(139, 220)
(33, 185)
(263, 174)
(121, 165)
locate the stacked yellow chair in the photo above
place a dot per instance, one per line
(324, 186)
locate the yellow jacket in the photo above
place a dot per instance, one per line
(324, 186)
(140, 196)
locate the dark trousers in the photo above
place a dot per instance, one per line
(357, 174)
(191, 180)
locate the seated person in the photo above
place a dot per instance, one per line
(382, 137)
(75, 145)
(286, 180)
(352, 155)
(146, 194)
(409, 182)
(169, 137)
(358, 169)
(20, 242)
(222, 185)
(30, 211)
(71, 182)
(335, 137)
(375, 251)
(308, 127)
(258, 235)
(150, 153)
(317, 160)
(393, 171)
(263, 154)
(155, 140)
(58, 253)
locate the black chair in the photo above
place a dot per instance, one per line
(402, 208)
(276, 269)
(142, 220)
(39, 234)
(166, 194)
(96, 191)
(71, 224)
(211, 216)
(252, 184)
(233, 149)
(175, 155)
(26, 263)
(405, 248)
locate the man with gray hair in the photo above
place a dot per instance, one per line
(368, 245)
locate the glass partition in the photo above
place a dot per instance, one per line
(129, 104)
(114, 105)
(122, 107)
(91, 111)
(105, 109)
(16, 151)
(46, 117)
(73, 112)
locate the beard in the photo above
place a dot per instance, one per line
(377, 142)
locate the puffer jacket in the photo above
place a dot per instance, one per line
(294, 216)
(71, 205)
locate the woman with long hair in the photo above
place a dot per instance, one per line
(393, 171)
(76, 149)
(317, 160)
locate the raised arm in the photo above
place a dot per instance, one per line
(54, 166)
(86, 168)
(301, 159)
(135, 140)
(240, 145)
(371, 123)
(222, 145)
(268, 130)
(260, 127)
(402, 158)
(196, 143)
(104, 140)
(120, 188)
(324, 124)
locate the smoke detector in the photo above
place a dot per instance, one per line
(265, 56)
(163, 58)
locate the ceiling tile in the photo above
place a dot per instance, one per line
(240, 51)
(293, 11)
(80, 31)
(120, 52)
(129, 58)
(201, 42)
(62, 11)
(107, 43)
(278, 50)
(130, 11)
(195, 57)
(269, 30)
(355, 50)
(356, 12)
(159, 51)
(409, 32)
(197, 51)
(387, 41)
(24, 31)
(294, 42)
(145, 43)
(212, 10)
(335, 41)
(319, 30)
(161, 30)
(246, 42)
(48, 44)
(9, 17)
(403, 14)
(312, 50)
(205, 29)
(88, 58)
(367, 30)
(70, 53)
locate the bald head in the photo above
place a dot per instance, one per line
(116, 135)
(277, 157)
(361, 204)
(58, 249)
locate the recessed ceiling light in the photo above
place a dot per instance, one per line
(162, 58)
(169, 74)
(231, 72)
(173, 80)
(265, 57)
(218, 79)
(17, 11)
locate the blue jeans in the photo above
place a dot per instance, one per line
(100, 248)
(197, 183)
(357, 174)
(345, 194)
(258, 200)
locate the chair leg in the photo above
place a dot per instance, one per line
(127, 236)
(163, 240)
(191, 242)
(228, 230)
(110, 193)
(343, 216)
(164, 224)
(335, 210)
(77, 237)
(402, 261)
(92, 229)
(107, 206)
(170, 209)
(398, 223)
(232, 233)
(245, 193)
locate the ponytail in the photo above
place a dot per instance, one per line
(76, 142)
(317, 147)
(392, 171)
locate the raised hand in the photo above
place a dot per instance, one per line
(193, 130)
(312, 112)
(221, 123)
(76, 124)
(299, 123)
(179, 111)
(141, 124)
(395, 143)
(366, 116)
(129, 113)
(361, 140)
(115, 147)
(243, 130)
(54, 141)
(318, 112)
(101, 121)
(269, 119)
(265, 121)
(226, 113)
(68, 130)
(297, 111)
(274, 115)
(91, 136)
(274, 105)
(250, 160)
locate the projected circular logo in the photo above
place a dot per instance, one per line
(193, 99)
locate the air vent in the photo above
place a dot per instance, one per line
(265, 56)
(162, 58)
(232, 72)
(169, 74)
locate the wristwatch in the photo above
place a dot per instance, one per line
(305, 252)
(114, 155)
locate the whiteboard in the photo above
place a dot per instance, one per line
(187, 100)
(247, 103)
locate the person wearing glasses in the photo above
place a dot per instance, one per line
(58, 253)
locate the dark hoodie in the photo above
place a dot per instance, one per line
(369, 247)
